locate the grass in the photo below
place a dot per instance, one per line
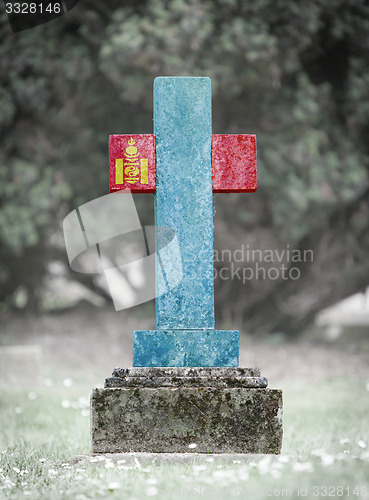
(325, 451)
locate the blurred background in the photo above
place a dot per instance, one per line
(296, 74)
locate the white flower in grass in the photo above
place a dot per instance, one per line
(264, 464)
(318, 453)
(277, 465)
(109, 465)
(303, 467)
(67, 382)
(192, 446)
(15, 469)
(152, 480)
(83, 401)
(52, 472)
(65, 403)
(341, 456)
(210, 459)
(199, 467)
(361, 444)
(122, 461)
(94, 459)
(327, 460)
(18, 410)
(225, 475)
(243, 474)
(114, 485)
(275, 473)
(42, 460)
(344, 440)
(85, 413)
(152, 491)
(219, 474)
(26, 492)
(8, 483)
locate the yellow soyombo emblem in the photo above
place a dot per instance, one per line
(127, 169)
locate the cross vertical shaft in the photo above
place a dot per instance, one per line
(184, 197)
(185, 334)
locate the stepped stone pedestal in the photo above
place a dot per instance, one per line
(165, 410)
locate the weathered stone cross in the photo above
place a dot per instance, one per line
(183, 164)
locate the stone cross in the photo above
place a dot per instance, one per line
(183, 164)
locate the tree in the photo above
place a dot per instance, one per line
(296, 75)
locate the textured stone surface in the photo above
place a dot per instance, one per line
(233, 159)
(251, 382)
(185, 347)
(198, 371)
(183, 198)
(217, 420)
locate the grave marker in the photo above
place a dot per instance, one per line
(185, 386)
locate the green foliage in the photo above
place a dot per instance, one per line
(260, 59)
(294, 73)
(31, 199)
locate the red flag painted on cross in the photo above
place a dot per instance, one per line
(132, 160)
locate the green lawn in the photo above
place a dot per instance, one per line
(325, 451)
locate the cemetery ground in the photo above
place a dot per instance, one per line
(44, 424)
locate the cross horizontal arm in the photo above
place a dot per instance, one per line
(133, 163)
(233, 160)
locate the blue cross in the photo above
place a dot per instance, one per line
(185, 332)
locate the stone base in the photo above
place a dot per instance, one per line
(163, 410)
(186, 348)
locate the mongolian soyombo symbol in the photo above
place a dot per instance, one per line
(132, 163)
